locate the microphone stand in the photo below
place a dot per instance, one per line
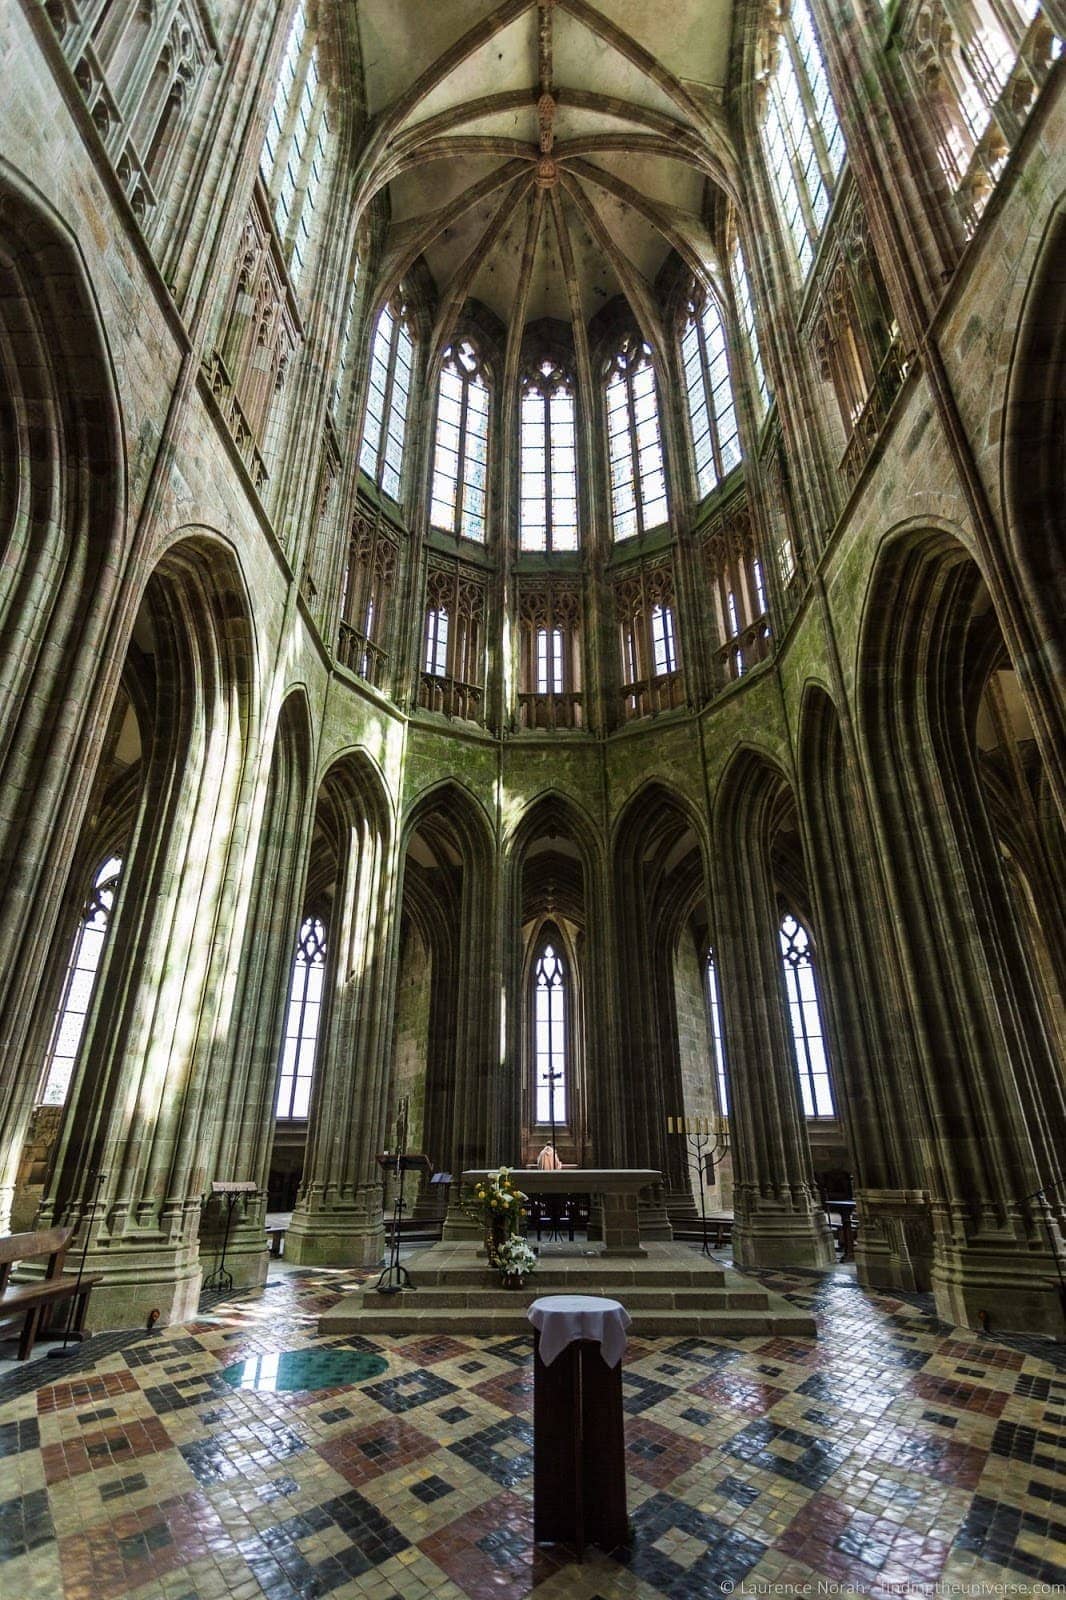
(57, 1352)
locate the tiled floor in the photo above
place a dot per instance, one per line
(885, 1456)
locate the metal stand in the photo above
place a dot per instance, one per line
(57, 1352)
(220, 1279)
(395, 1277)
(698, 1136)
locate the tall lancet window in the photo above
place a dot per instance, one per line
(746, 312)
(78, 984)
(547, 501)
(293, 160)
(551, 1004)
(714, 1017)
(388, 394)
(808, 1038)
(301, 1022)
(634, 444)
(461, 456)
(715, 441)
(804, 144)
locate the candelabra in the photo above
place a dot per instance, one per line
(707, 1143)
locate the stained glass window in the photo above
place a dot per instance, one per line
(293, 160)
(746, 313)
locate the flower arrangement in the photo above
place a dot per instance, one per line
(499, 1207)
(515, 1258)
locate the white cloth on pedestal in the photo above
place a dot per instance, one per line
(562, 1318)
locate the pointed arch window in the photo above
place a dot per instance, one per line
(808, 1037)
(547, 503)
(301, 1022)
(804, 143)
(634, 442)
(712, 414)
(551, 1021)
(388, 396)
(746, 311)
(79, 983)
(344, 349)
(295, 149)
(461, 454)
(714, 1016)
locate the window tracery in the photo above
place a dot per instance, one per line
(302, 1018)
(257, 339)
(452, 677)
(808, 1039)
(79, 983)
(388, 398)
(802, 136)
(549, 626)
(461, 448)
(738, 587)
(709, 390)
(339, 393)
(366, 591)
(645, 609)
(139, 71)
(634, 442)
(547, 504)
(978, 69)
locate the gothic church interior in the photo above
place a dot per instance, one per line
(532, 584)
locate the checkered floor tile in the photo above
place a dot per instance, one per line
(890, 1455)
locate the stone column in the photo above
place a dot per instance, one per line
(141, 1085)
(778, 1220)
(338, 1216)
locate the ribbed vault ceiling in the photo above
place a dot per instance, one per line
(544, 157)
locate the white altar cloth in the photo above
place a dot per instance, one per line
(562, 1318)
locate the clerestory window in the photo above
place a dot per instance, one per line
(804, 143)
(712, 414)
(302, 1021)
(461, 454)
(746, 312)
(634, 442)
(547, 502)
(714, 1016)
(295, 150)
(388, 397)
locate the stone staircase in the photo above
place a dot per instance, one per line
(671, 1292)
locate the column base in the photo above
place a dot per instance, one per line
(140, 1279)
(783, 1239)
(894, 1250)
(998, 1289)
(346, 1234)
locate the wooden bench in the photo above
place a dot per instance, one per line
(34, 1301)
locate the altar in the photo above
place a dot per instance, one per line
(618, 1188)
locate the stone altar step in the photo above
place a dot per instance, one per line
(672, 1292)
